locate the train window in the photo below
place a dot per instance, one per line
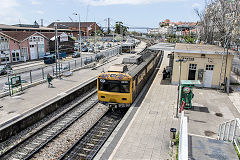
(114, 86)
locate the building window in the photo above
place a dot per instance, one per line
(192, 71)
(209, 67)
(4, 43)
(193, 66)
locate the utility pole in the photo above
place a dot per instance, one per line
(79, 27)
(42, 22)
(179, 81)
(55, 25)
(108, 25)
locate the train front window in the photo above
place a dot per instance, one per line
(114, 86)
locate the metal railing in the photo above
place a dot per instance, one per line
(31, 76)
(230, 131)
(183, 138)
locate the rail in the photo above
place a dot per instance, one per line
(230, 131)
(183, 139)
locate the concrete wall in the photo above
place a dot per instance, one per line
(201, 62)
(20, 123)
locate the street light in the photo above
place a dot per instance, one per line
(79, 26)
(56, 48)
(179, 80)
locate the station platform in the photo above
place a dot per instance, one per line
(144, 131)
(12, 107)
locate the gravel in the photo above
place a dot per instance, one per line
(57, 147)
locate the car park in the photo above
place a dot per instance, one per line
(76, 54)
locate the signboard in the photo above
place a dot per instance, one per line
(15, 81)
(186, 90)
(63, 37)
(182, 106)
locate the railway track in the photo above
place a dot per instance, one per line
(29, 146)
(90, 143)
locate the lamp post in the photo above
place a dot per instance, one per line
(79, 26)
(56, 49)
(179, 80)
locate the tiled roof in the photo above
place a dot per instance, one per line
(18, 35)
(71, 24)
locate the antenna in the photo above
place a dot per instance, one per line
(87, 13)
(41, 22)
(70, 18)
(20, 21)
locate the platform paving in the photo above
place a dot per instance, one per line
(202, 148)
(145, 135)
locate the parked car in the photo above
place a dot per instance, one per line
(4, 69)
(91, 49)
(109, 45)
(49, 59)
(76, 54)
(84, 49)
(87, 60)
(99, 56)
(101, 47)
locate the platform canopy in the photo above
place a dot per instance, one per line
(163, 46)
(190, 82)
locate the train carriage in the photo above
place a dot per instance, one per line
(122, 83)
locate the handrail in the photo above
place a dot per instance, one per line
(227, 131)
(183, 139)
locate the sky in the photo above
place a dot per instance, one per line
(133, 13)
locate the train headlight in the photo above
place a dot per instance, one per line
(124, 82)
(102, 80)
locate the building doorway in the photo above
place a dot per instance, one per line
(208, 76)
(192, 71)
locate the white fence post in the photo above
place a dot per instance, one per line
(183, 139)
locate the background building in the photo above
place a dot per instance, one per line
(207, 63)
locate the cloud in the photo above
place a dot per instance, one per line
(9, 12)
(39, 12)
(196, 5)
(35, 2)
(129, 2)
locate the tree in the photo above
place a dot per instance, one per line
(120, 28)
(219, 21)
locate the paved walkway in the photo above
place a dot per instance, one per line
(202, 148)
(147, 133)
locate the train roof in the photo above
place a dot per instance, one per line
(118, 68)
(147, 57)
(130, 69)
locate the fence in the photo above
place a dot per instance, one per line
(230, 131)
(183, 139)
(39, 74)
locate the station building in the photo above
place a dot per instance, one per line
(207, 63)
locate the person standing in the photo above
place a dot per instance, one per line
(164, 74)
(49, 79)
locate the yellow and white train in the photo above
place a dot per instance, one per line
(120, 86)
